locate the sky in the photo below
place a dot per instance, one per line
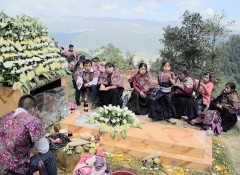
(158, 10)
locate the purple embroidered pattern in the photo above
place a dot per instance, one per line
(116, 79)
(144, 83)
(17, 137)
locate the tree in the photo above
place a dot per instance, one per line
(185, 46)
(129, 58)
(231, 59)
(196, 41)
(110, 53)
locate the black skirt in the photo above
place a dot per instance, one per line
(228, 119)
(113, 97)
(162, 107)
(185, 106)
(139, 105)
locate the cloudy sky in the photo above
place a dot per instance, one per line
(160, 10)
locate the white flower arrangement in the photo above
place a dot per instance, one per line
(27, 53)
(113, 119)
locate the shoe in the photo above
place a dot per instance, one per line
(94, 106)
(78, 103)
(169, 121)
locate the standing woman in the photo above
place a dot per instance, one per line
(227, 104)
(183, 99)
(141, 98)
(111, 86)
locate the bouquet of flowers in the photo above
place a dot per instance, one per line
(27, 53)
(114, 119)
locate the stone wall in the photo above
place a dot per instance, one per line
(51, 105)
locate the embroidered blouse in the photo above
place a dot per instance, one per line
(142, 83)
(18, 134)
(164, 82)
(187, 84)
(114, 79)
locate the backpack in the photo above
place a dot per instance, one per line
(212, 119)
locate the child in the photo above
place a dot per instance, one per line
(227, 104)
(162, 107)
(76, 72)
(205, 90)
(141, 99)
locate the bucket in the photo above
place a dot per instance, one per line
(121, 173)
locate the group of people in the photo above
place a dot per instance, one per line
(180, 95)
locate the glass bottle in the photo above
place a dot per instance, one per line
(85, 106)
(70, 134)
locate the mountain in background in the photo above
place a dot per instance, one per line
(140, 37)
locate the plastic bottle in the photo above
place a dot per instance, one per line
(85, 106)
(209, 132)
(65, 111)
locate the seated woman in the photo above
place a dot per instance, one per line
(141, 98)
(111, 86)
(162, 107)
(227, 104)
(182, 99)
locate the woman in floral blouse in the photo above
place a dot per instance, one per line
(183, 99)
(111, 86)
(227, 104)
(141, 98)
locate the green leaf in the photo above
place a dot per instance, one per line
(123, 133)
(46, 75)
(63, 72)
(36, 79)
(112, 134)
(26, 86)
(24, 90)
(58, 72)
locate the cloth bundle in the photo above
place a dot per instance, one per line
(91, 164)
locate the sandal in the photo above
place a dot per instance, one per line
(168, 121)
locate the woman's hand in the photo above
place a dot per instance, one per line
(142, 94)
(102, 87)
(219, 105)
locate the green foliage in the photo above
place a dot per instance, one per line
(196, 41)
(110, 53)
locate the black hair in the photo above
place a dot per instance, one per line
(77, 65)
(165, 62)
(71, 45)
(142, 65)
(87, 61)
(95, 59)
(27, 102)
(184, 70)
(209, 74)
(109, 64)
(232, 85)
(82, 58)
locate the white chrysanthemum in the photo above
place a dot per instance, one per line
(113, 121)
(17, 86)
(23, 78)
(30, 75)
